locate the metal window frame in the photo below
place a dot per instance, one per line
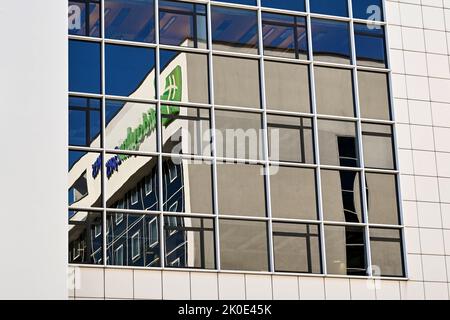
(265, 112)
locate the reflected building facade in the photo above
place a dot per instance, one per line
(153, 181)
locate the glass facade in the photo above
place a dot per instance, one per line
(244, 135)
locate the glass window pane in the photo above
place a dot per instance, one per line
(129, 242)
(285, 36)
(84, 18)
(341, 196)
(238, 135)
(182, 24)
(334, 7)
(241, 189)
(369, 44)
(287, 87)
(296, 247)
(337, 143)
(290, 139)
(345, 250)
(382, 201)
(132, 20)
(84, 67)
(85, 237)
(189, 242)
(236, 82)
(293, 193)
(295, 5)
(130, 126)
(234, 29)
(243, 245)
(386, 252)
(368, 9)
(374, 95)
(334, 91)
(84, 122)
(184, 76)
(130, 71)
(85, 179)
(331, 40)
(126, 179)
(247, 2)
(187, 185)
(377, 145)
(186, 130)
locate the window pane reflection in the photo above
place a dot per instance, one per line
(238, 135)
(334, 7)
(386, 252)
(241, 189)
(84, 122)
(84, 67)
(85, 237)
(182, 24)
(345, 250)
(296, 247)
(290, 139)
(236, 82)
(374, 95)
(382, 202)
(243, 245)
(132, 20)
(284, 36)
(84, 18)
(133, 240)
(187, 185)
(234, 29)
(369, 44)
(130, 71)
(186, 130)
(183, 76)
(131, 182)
(334, 91)
(295, 5)
(130, 126)
(337, 143)
(368, 9)
(287, 87)
(293, 193)
(341, 195)
(331, 40)
(189, 242)
(85, 179)
(377, 145)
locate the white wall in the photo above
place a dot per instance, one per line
(419, 34)
(33, 164)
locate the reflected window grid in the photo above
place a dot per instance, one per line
(150, 233)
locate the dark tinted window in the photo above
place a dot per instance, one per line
(247, 2)
(84, 122)
(182, 24)
(85, 237)
(285, 36)
(130, 20)
(234, 29)
(84, 18)
(370, 45)
(130, 71)
(331, 41)
(84, 67)
(345, 250)
(296, 5)
(331, 7)
(368, 9)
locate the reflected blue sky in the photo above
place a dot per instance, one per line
(360, 8)
(331, 7)
(330, 37)
(84, 67)
(369, 43)
(296, 5)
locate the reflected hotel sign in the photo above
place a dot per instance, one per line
(135, 137)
